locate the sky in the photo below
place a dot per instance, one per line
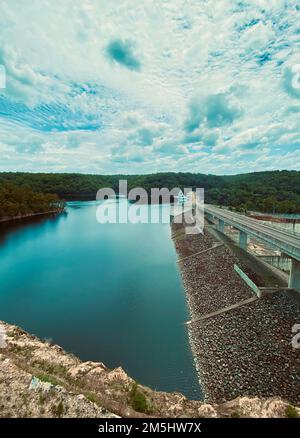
(132, 86)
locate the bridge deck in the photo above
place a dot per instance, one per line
(287, 242)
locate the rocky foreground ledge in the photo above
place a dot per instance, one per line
(38, 379)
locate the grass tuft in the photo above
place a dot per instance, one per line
(291, 412)
(139, 401)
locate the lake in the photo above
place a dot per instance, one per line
(106, 292)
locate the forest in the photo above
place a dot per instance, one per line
(21, 200)
(271, 192)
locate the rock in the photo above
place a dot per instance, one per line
(119, 375)
(38, 384)
(246, 351)
(207, 411)
(65, 387)
(85, 368)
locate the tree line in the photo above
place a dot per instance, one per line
(22, 200)
(270, 192)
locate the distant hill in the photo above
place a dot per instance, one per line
(273, 191)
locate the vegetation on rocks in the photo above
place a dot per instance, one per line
(292, 412)
(139, 401)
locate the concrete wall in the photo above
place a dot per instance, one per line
(280, 262)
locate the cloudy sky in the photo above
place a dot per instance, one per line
(139, 86)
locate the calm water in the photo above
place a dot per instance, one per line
(109, 293)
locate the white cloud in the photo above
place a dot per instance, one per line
(69, 106)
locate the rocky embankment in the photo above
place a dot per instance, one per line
(42, 380)
(246, 351)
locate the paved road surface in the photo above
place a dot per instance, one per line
(285, 241)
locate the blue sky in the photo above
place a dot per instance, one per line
(131, 86)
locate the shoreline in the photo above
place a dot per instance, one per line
(29, 215)
(242, 352)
